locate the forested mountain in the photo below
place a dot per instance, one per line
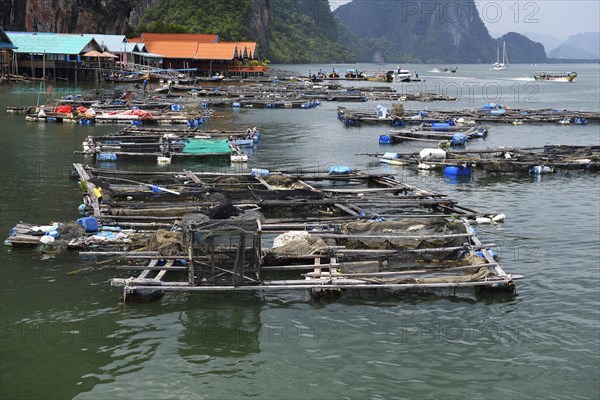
(580, 46)
(290, 31)
(425, 31)
(522, 50)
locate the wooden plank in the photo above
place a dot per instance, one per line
(146, 272)
(346, 209)
(165, 269)
(262, 180)
(192, 176)
(81, 172)
(143, 268)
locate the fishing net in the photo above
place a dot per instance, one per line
(283, 182)
(70, 230)
(167, 243)
(297, 244)
(404, 234)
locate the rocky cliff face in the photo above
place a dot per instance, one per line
(68, 16)
(419, 31)
(258, 23)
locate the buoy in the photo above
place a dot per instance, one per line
(425, 166)
(541, 170)
(432, 154)
(499, 218)
(47, 239)
(239, 158)
(163, 160)
(385, 139)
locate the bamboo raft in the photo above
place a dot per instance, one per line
(469, 116)
(163, 144)
(186, 231)
(532, 160)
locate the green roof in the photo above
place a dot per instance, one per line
(5, 42)
(51, 43)
(208, 146)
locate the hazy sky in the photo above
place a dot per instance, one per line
(559, 18)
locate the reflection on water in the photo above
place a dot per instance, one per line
(283, 345)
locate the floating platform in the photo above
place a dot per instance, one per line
(275, 231)
(468, 117)
(532, 160)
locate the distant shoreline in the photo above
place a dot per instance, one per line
(571, 61)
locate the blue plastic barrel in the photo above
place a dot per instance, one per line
(106, 157)
(244, 142)
(385, 139)
(89, 224)
(440, 126)
(457, 170)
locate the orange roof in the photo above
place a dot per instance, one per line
(180, 37)
(195, 46)
(248, 47)
(135, 40)
(216, 51)
(173, 49)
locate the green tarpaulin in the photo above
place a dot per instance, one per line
(207, 146)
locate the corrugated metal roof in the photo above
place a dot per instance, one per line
(51, 43)
(147, 55)
(131, 47)
(187, 37)
(5, 42)
(112, 42)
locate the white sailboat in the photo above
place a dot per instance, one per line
(499, 66)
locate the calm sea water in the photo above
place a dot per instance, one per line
(66, 335)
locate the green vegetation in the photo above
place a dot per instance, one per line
(225, 18)
(298, 32)
(301, 35)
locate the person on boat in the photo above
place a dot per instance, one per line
(145, 84)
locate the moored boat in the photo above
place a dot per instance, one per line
(500, 66)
